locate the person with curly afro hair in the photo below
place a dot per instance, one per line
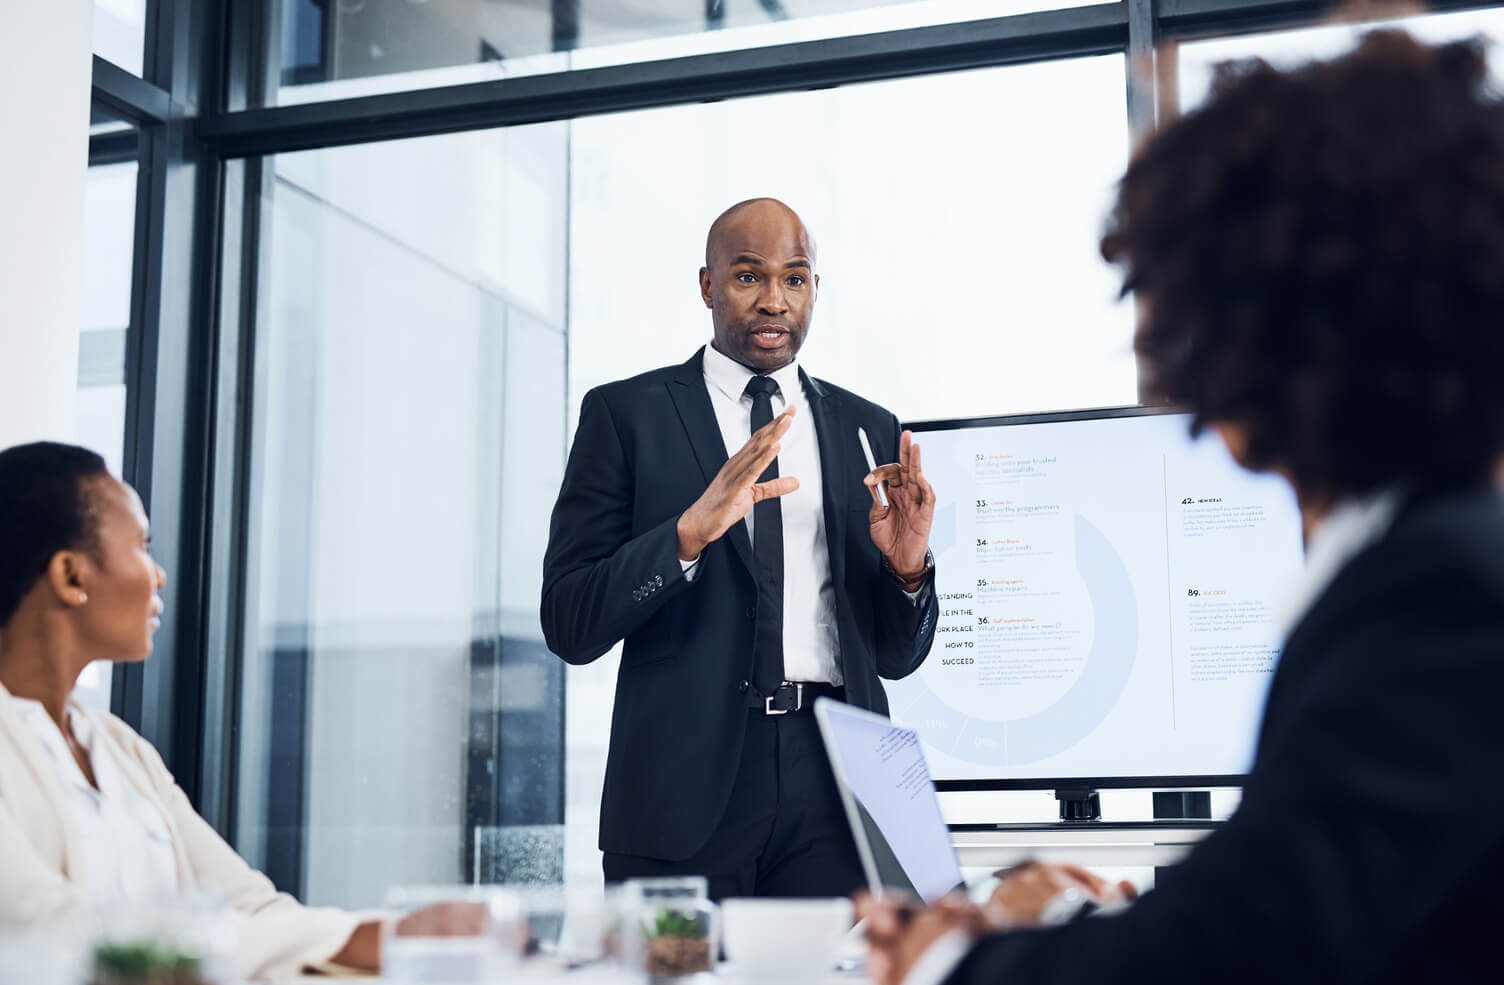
(1319, 256)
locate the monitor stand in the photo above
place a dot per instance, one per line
(1079, 804)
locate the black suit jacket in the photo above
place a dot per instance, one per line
(1369, 845)
(646, 448)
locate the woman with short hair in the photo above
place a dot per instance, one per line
(88, 812)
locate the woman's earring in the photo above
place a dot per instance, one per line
(83, 597)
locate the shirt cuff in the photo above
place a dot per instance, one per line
(939, 959)
(691, 567)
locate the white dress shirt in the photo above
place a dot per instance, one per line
(1350, 526)
(811, 644)
(127, 849)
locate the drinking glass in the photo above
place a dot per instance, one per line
(451, 935)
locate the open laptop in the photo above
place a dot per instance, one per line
(890, 801)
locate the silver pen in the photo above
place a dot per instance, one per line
(861, 435)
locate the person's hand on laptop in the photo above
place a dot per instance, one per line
(901, 929)
(1036, 894)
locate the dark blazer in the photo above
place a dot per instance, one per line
(647, 448)
(1369, 845)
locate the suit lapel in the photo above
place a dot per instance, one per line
(692, 401)
(835, 435)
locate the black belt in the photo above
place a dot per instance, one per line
(793, 696)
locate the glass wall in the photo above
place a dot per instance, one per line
(428, 314)
(957, 256)
(317, 50)
(956, 219)
(1285, 48)
(397, 702)
(415, 400)
(120, 32)
(99, 401)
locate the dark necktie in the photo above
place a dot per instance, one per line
(767, 546)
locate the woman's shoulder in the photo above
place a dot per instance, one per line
(122, 736)
(1450, 545)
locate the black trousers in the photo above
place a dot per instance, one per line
(784, 832)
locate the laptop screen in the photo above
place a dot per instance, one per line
(890, 802)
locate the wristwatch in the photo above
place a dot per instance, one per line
(1065, 906)
(919, 576)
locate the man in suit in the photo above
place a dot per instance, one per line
(745, 585)
(1309, 292)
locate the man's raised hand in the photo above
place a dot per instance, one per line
(901, 530)
(735, 489)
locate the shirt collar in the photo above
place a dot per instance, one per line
(46, 731)
(730, 377)
(1351, 526)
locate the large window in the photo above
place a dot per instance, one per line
(120, 32)
(412, 413)
(955, 216)
(398, 704)
(1286, 48)
(358, 428)
(99, 401)
(317, 50)
(956, 253)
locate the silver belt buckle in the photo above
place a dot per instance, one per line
(767, 703)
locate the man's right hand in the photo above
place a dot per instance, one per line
(1021, 898)
(735, 489)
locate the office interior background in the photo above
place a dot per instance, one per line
(348, 266)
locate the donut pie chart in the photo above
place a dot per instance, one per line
(1100, 683)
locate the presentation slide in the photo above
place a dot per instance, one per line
(1107, 596)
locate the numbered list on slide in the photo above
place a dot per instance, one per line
(1107, 596)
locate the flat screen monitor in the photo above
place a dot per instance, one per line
(1109, 590)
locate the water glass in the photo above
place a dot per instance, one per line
(451, 935)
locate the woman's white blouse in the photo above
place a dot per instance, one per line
(127, 850)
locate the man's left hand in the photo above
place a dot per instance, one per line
(901, 530)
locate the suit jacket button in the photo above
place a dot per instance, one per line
(636, 595)
(658, 581)
(743, 686)
(750, 612)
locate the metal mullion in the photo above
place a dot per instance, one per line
(1075, 32)
(114, 147)
(127, 693)
(1142, 74)
(227, 524)
(128, 96)
(252, 64)
(169, 392)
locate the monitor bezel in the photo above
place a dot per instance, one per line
(1199, 781)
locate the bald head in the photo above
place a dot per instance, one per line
(756, 211)
(759, 283)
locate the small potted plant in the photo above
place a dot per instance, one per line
(144, 963)
(678, 940)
